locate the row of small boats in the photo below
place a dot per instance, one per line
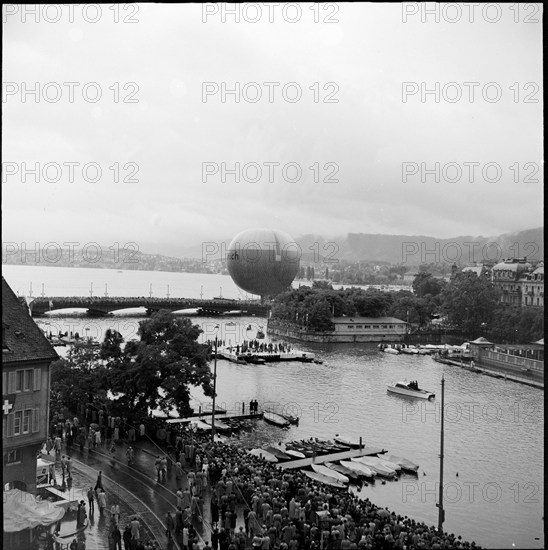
(295, 450)
(360, 470)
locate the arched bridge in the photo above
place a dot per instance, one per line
(100, 306)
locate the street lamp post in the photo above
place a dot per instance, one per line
(441, 511)
(214, 392)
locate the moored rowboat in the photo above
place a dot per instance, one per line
(324, 470)
(275, 419)
(324, 479)
(359, 468)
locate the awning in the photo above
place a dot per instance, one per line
(23, 511)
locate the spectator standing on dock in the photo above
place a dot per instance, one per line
(91, 501)
(97, 442)
(158, 466)
(135, 527)
(115, 513)
(116, 537)
(101, 500)
(198, 461)
(99, 483)
(127, 537)
(170, 524)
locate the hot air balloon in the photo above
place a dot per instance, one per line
(263, 261)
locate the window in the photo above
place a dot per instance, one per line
(26, 421)
(349, 326)
(28, 380)
(13, 457)
(19, 380)
(17, 418)
(358, 326)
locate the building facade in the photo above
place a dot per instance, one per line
(26, 359)
(507, 275)
(346, 330)
(532, 288)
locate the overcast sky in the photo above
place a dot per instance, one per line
(161, 62)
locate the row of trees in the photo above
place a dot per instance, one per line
(157, 371)
(469, 303)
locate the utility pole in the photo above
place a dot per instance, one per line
(150, 291)
(91, 290)
(168, 291)
(214, 392)
(106, 290)
(441, 511)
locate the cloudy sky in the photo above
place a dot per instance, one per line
(166, 137)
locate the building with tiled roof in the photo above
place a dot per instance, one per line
(26, 359)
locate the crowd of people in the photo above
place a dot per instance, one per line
(283, 510)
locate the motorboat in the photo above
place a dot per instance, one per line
(359, 468)
(260, 335)
(324, 470)
(350, 474)
(291, 418)
(394, 465)
(294, 454)
(373, 463)
(276, 419)
(332, 482)
(278, 453)
(261, 453)
(393, 351)
(348, 441)
(410, 389)
(219, 424)
(405, 464)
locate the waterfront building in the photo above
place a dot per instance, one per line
(532, 287)
(345, 330)
(26, 359)
(507, 275)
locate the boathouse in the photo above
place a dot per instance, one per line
(346, 330)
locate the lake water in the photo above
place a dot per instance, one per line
(494, 429)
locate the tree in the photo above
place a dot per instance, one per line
(158, 370)
(470, 302)
(425, 283)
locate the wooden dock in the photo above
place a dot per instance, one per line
(218, 416)
(333, 457)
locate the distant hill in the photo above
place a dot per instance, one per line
(414, 250)
(354, 247)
